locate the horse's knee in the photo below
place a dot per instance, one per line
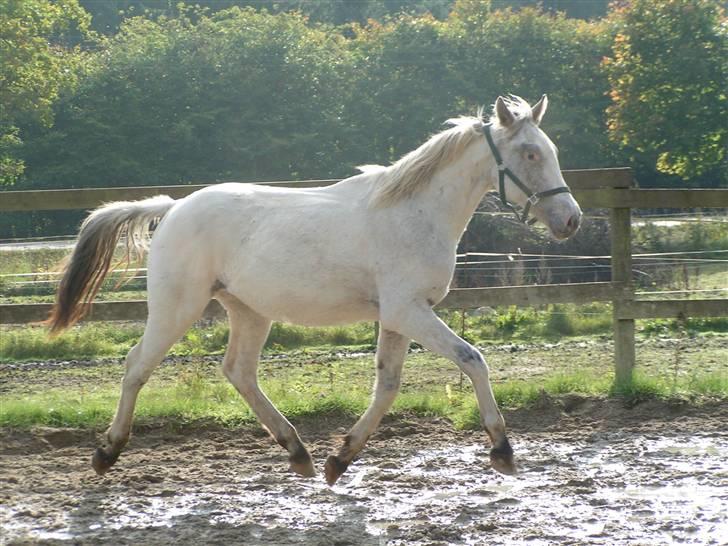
(133, 381)
(248, 387)
(234, 371)
(470, 360)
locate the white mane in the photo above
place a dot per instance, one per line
(412, 172)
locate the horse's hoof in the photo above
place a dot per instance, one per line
(502, 461)
(301, 463)
(504, 467)
(303, 468)
(334, 468)
(102, 461)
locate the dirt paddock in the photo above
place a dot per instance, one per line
(591, 472)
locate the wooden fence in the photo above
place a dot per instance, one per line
(593, 188)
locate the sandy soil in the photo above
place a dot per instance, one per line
(592, 472)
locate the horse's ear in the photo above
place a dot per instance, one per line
(539, 109)
(505, 117)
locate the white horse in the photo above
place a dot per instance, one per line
(377, 246)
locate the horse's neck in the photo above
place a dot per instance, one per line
(457, 189)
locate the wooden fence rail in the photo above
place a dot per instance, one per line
(593, 188)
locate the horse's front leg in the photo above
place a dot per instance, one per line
(424, 326)
(391, 351)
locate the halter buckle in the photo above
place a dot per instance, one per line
(534, 199)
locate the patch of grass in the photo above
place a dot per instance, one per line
(87, 341)
(643, 387)
(578, 382)
(60, 408)
(196, 395)
(691, 325)
(546, 322)
(91, 340)
(291, 336)
(712, 384)
(707, 235)
(35, 260)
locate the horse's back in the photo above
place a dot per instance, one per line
(295, 254)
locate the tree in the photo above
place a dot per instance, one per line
(36, 63)
(667, 71)
(580, 9)
(236, 94)
(108, 15)
(402, 86)
(530, 52)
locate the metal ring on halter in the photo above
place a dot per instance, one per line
(532, 198)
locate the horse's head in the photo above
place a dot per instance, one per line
(529, 173)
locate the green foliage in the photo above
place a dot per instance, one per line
(248, 95)
(559, 323)
(109, 14)
(237, 95)
(690, 326)
(405, 58)
(667, 76)
(581, 9)
(530, 52)
(528, 324)
(642, 388)
(95, 340)
(35, 65)
(703, 235)
(509, 321)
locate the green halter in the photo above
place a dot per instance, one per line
(532, 197)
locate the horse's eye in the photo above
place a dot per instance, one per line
(531, 156)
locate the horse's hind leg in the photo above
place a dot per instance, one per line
(170, 315)
(248, 332)
(391, 351)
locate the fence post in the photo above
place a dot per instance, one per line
(621, 247)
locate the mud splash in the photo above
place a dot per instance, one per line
(580, 482)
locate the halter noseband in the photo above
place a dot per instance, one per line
(532, 197)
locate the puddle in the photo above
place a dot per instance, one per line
(618, 488)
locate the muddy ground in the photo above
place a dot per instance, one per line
(591, 472)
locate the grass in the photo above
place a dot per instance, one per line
(219, 403)
(552, 323)
(94, 340)
(313, 384)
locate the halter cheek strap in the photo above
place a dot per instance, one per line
(532, 198)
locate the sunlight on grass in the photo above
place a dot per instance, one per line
(92, 340)
(195, 398)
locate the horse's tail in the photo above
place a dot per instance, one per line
(91, 258)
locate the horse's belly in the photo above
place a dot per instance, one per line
(308, 313)
(321, 315)
(309, 304)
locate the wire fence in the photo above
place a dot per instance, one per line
(676, 270)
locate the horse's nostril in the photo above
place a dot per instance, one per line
(573, 223)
